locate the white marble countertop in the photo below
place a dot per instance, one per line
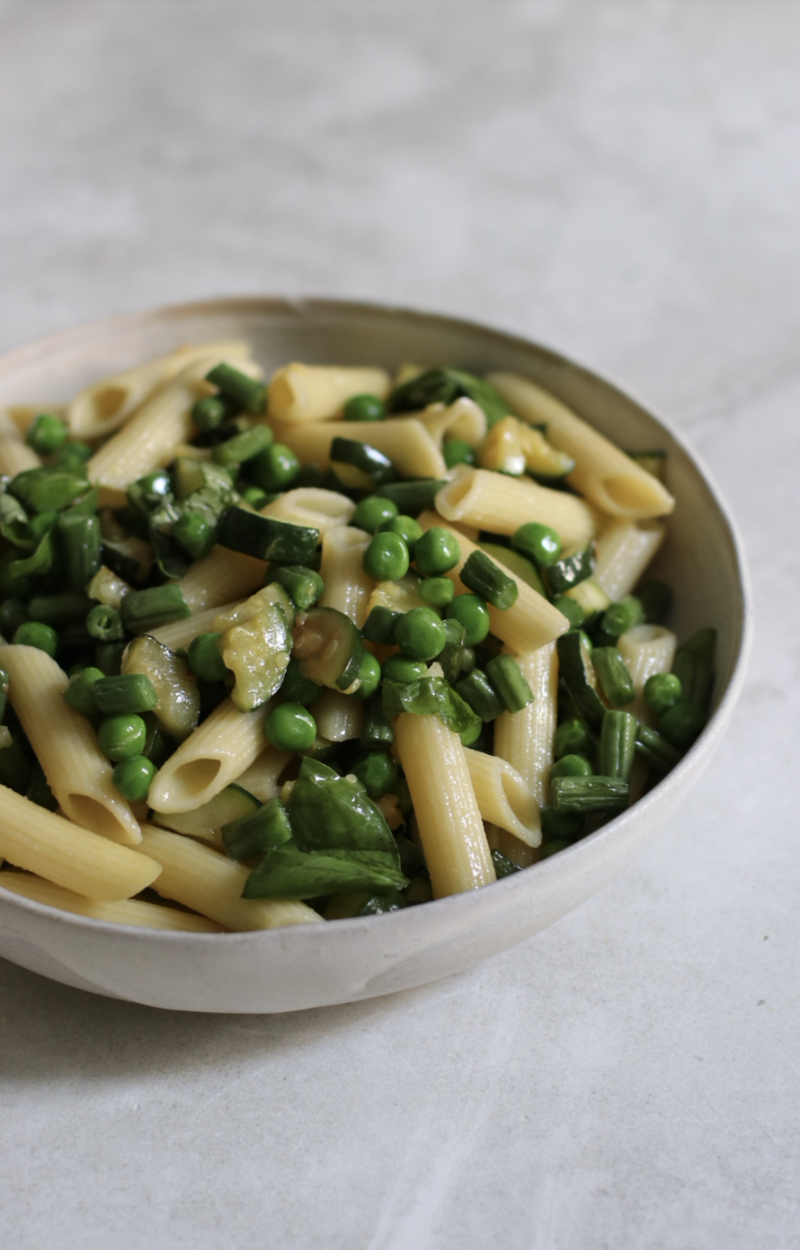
(620, 181)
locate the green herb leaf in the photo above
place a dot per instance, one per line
(445, 386)
(429, 696)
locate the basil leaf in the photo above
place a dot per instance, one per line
(36, 564)
(288, 872)
(49, 488)
(333, 813)
(445, 386)
(429, 696)
(14, 518)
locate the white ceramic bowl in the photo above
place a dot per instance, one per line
(314, 965)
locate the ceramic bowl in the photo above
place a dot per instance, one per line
(315, 965)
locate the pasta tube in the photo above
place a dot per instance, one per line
(216, 754)
(497, 502)
(624, 550)
(449, 819)
(50, 846)
(503, 797)
(221, 577)
(646, 649)
(405, 440)
(300, 393)
(461, 419)
(338, 718)
(209, 883)
(347, 586)
(261, 778)
(65, 744)
(181, 633)
(125, 911)
(527, 624)
(602, 472)
(526, 739)
(312, 506)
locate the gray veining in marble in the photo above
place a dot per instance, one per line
(620, 180)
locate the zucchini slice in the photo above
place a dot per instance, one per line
(329, 647)
(256, 644)
(232, 803)
(267, 538)
(178, 706)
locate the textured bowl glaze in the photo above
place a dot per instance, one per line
(315, 965)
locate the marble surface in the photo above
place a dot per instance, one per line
(620, 181)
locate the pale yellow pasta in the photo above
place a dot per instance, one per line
(312, 506)
(518, 852)
(526, 739)
(126, 911)
(503, 797)
(261, 778)
(211, 884)
(15, 454)
(221, 577)
(147, 440)
(624, 550)
(450, 826)
(299, 393)
(65, 744)
(461, 419)
(400, 595)
(217, 753)
(527, 624)
(52, 847)
(603, 473)
(181, 633)
(646, 649)
(347, 586)
(337, 716)
(108, 588)
(497, 502)
(106, 405)
(404, 440)
(590, 595)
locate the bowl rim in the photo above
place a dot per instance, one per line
(408, 918)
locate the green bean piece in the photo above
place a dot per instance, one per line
(379, 625)
(574, 737)
(561, 827)
(661, 691)
(612, 673)
(437, 551)
(209, 413)
(481, 575)
(409, 530)
(61, 609)
(47, 434)
(205, 658)
(132, 777)
(696, 676)
(36, 634)
(571, 766)
(571, 609)
(480, 694)
(538, 542)
(420, 634)
(122, 737)
(402, 668)
(195, 534)
(13, 613)
(655, 750)
(377, 773)
(572, 666)
(457, 451)
(589, 794)
(412, 497)
(303, 586)
(617, 745)
(364, 408)
(290, 727)
(376, 730)
(143, 610)
(386, 558)
(503, 866)
(681, 724)
(128, 693)
(471, 612)
(371, 513)
(105, 623)
(508, 680)
(108, 657)
(257, 832)
(243, 447)
(621, 616)
(295, 688)
(79, 693)
(437, 591)
(656, 601)
(250, 393)
(80, 548)
(276, 469)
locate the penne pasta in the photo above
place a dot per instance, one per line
(300, 393)
(182, 633)
(338, 717)
(347, 586)
(312, 506)
(221, 577)
(503, 798)
(499, 503)
(603, 473)
(461, 419)
(404, 440)
(261, 778)
(646, 649)
(624, 550)
(126, 911)
(525, 739)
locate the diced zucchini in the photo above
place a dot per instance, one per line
(256, 644)
(542, 459)
(398, 596)
(108, 588)
(189, 475)
(502, 448)
(329, 647)
(516, 563)
(267, 538)
(206, 822)
(590, 595)
(178, 707)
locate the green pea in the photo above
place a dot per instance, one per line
(574, 737)
(457, 451)
(275, 468)
(437, 591)
(256, 497)
(205, 658)
(401, 668)
(209, 413)
(35, 634)
(372, 512)
(369, 675)
(407, 527)
(681, 724)
(290, 727)
(47, 435)
(13, 613)
(193, 533)
(621, 616)
(299, 689)
(75, 452)
(571, 766)
(386, 558)
(377, 773)
(436, 552)
(539, 543)
(571, 609)
(471, 612)
(80, 691)
(132, 777)
(122, 737)
(364, 408)
(420, 634)
(662, 691)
